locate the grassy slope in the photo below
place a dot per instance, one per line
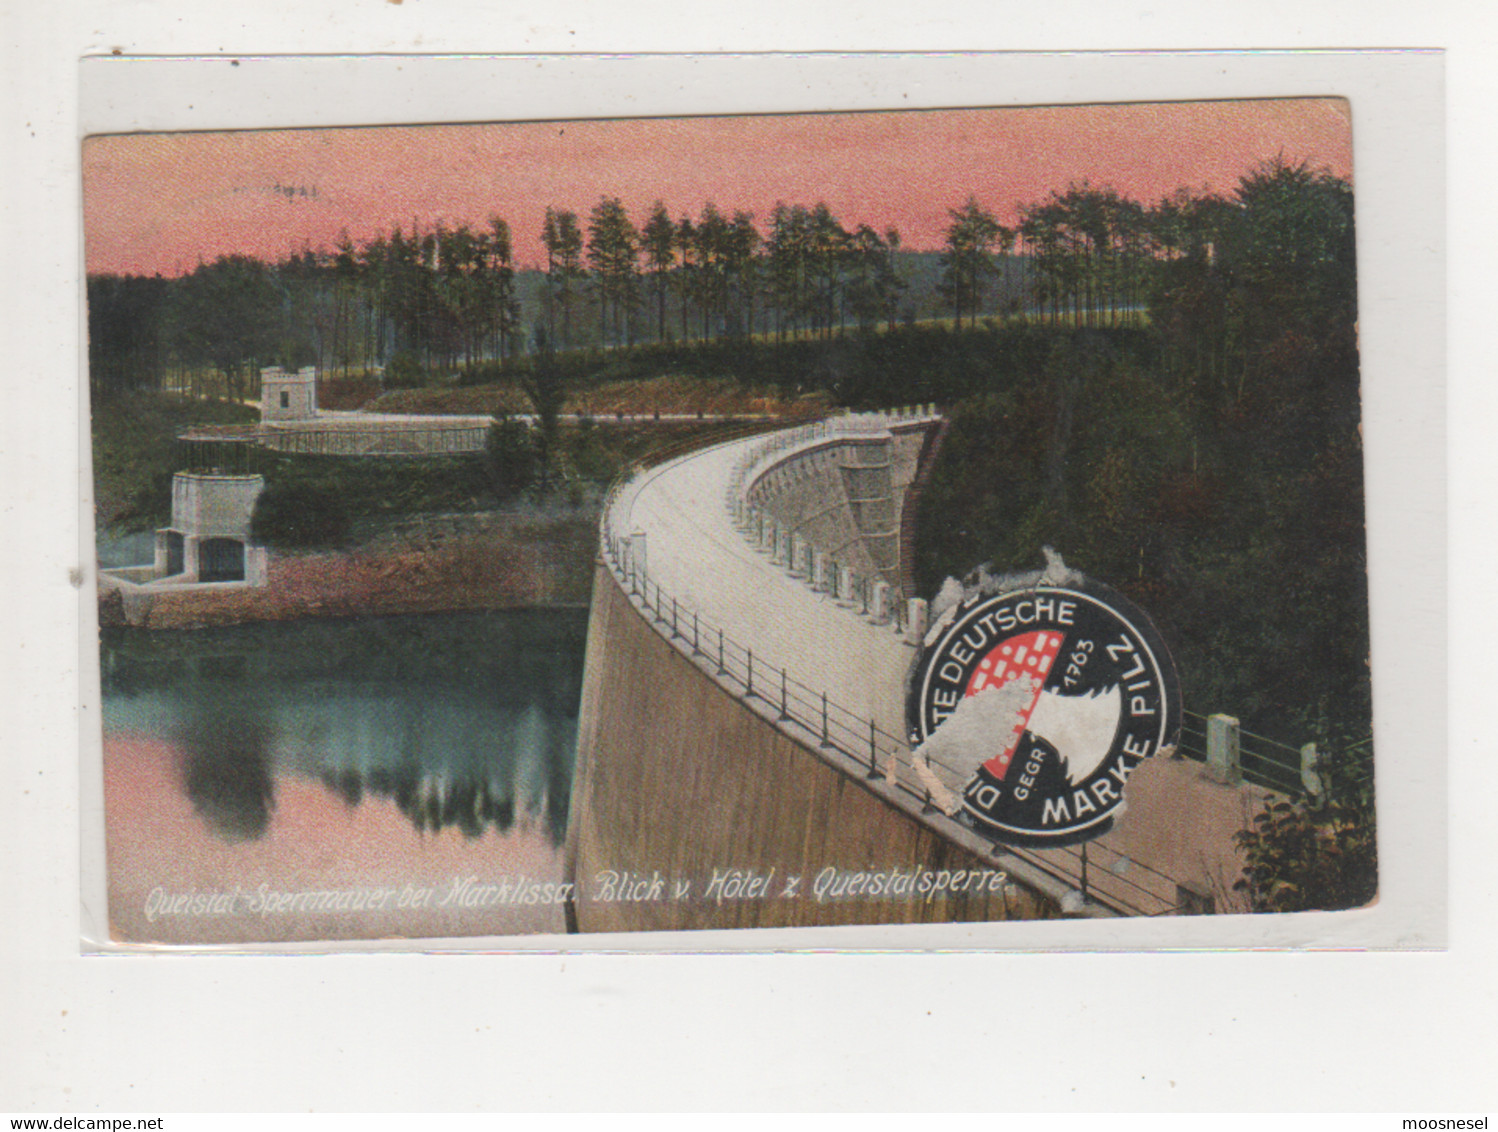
(132, 449)
(134, 461)
(661, 394)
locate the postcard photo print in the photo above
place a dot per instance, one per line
(551, 528)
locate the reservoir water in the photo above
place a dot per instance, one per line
(394, 777)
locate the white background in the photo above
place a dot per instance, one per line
(1208, 1030)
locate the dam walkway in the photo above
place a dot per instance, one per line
(815, 657)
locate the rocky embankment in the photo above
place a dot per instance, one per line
(499, 562)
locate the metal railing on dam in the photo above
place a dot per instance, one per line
(376, 440)
(718, 632)
(1234, 753)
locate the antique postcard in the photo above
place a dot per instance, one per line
(667, 524)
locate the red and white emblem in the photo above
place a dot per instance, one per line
(1027, 657)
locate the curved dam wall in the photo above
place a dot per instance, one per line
(678, 778)
(742, 724)
(844, 494)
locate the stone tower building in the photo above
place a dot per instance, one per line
(288, 396)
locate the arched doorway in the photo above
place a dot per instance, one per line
(221, 560)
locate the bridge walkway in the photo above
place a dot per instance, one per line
(694, 553)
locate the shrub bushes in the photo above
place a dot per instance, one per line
(510, 458)
(295, 513)
(1302, 860)
(405, 371)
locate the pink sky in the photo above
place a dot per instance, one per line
(163, 202)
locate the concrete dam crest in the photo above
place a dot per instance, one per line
(742, 734)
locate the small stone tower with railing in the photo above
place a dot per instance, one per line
(213, 501)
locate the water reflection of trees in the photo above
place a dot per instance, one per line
(465, 722)
(432, 802)
(517, 770)
(226, 772)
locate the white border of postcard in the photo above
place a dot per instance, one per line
(1399, 180)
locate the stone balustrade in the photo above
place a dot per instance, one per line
(824, 502)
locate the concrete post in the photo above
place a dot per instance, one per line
(845, 584)
(190, 557)
(1224, 762)
(1312, 777)
(821, 577)
(917, 613)
(879, 606)
(797, 553)
(627, 558)
(158, 566)
(255, 572)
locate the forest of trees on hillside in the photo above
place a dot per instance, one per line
(1209, 464)
(1167, 393)
(448, 300)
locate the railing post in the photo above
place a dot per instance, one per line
(695, 635)
(784, 699)
(721, 668)
(825, 743)
(749, 679)
(917, 614)
(1224, 754)
(873, 753)
(845, 585)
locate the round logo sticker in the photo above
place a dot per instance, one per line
(1033, 707)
